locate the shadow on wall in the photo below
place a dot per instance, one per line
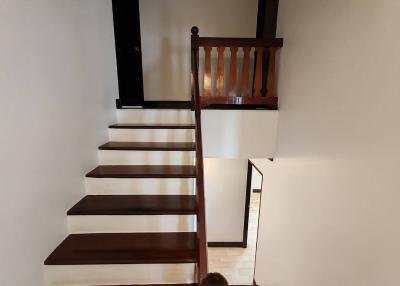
(169, 67)
(165, 31)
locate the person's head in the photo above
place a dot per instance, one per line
(214, 279)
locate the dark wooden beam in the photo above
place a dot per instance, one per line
(267, 19)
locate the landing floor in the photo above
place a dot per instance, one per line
(237, 264)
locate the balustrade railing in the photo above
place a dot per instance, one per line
(242, 70)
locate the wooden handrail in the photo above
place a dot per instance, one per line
(202, 264)
(237, 42)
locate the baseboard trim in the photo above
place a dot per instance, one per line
(240, 107)
(153, 104)
(254, 284)
(227, 244)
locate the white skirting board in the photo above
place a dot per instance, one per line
(119, 274)
(151, 135)
(131, 223)
(123, 157)
(155, 116)
(141, 186)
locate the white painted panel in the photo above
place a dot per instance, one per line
(151, 186)
(123, 157)
(130, 223)
(225, 191)
(151, 135)
(118, 274)
(231, 134)
(151, 116)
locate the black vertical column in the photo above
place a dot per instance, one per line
(128, 49)
(267, 17)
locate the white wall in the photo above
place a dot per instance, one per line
(330, 203)
(165, 27)
(256, 179)
(225, 194)
(230, 138)
(241, 134)
(57, 89)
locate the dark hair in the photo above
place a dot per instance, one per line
(214, 279)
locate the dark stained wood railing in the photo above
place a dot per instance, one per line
(225, 95)
(238, 91)
(202, 264)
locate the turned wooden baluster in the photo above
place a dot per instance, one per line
(232, 71)
(271, 91)
(220, 71)
(207, 71)
(245, 71)
(258, 74)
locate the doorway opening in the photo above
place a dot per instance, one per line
(236, 261)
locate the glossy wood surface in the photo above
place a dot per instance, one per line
(236, 42)
(258, 72)
(245, 71)
(143, 171)
(270, 102)
(149, 146)
(207, 71)
(220, 71)
(151, 126)
(233, 71)
(261, 83)
(135, 205)
(202, 263)
(125, 248)
(271, 91)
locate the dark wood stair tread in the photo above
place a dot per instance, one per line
(135, 205)
(143, 171)
(125, 248)
(152, 126)
(151, 146)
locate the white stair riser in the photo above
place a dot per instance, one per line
(151, 135)
(119, 274)
(130, 223)
(141, 186)
(119, 157)
(155, 116)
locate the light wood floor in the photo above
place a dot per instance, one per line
(237, 264)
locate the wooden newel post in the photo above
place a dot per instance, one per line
(194, 57)
(271, 88)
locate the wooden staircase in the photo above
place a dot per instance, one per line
(138, 223)
(143, 219)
